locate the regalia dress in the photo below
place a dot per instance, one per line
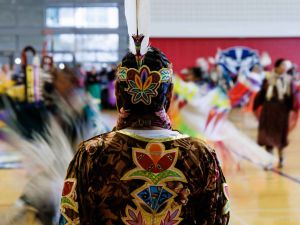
(143, 172)
(276, 101)
(144, 177)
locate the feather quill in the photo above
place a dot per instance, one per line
(137, 14)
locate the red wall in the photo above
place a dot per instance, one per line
(183, 52)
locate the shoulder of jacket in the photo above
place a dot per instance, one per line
(93, 144)
(201, 142)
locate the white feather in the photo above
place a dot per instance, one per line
(131, 18)
(265, 59)
(45, 160)
(137, 14)
(144, 23)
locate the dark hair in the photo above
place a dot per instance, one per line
(197, 72)
(155, 60)
(278, 62)
(293, 71)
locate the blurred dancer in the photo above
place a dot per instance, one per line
(5, 79)
(5, 72)
(193, 74)
(276, 100)
(143, 172)
(219, 77)
(45, 137)
(111, 86)
(93, 85)
(80, 74)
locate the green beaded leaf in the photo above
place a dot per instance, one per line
(155, 178)
(122, 73)
(67, 201)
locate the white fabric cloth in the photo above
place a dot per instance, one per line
(154, 134)
(282, 84)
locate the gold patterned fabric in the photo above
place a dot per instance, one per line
(120, 178)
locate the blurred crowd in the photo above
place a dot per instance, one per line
(248, 81)
(36, 92)
(218, 74)
(98, 84)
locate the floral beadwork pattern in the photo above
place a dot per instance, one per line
(165, 73)
(154, 199)
(101, 186)
(69, 204)
(155, 165)
(121, 73)
(143, 83)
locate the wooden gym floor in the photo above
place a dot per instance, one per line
(266, 197)
(258, 197)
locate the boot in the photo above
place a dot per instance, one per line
(280, 163)
(269, 149)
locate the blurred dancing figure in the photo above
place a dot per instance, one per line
(42, 134)
(276, 99)
(143, 172)
(93, 85)
(5, 81)
(5, 72)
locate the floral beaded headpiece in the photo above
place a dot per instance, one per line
(142, 82)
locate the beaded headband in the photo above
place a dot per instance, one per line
(143, 83)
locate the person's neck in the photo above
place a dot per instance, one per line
(149, 121)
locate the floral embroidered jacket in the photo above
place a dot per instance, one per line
(123, 178)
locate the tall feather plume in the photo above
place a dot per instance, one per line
(137, 14)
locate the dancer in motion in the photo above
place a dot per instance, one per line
(276, 99)
(41, 135)
(143, 172)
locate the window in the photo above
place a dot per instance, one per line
(96, 56)
(90, 43)
(63, 57)
(61, 42)
(102, 42)
(82, 17)
(87, 47)
(83, 42)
